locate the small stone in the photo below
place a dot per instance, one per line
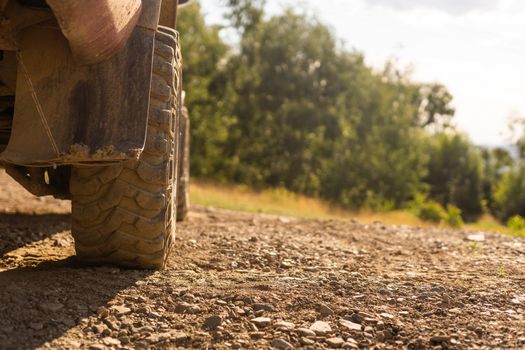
(257, 335)
(350, 325)
(260, 306)
(187, 308)
(283, 325)
(103, 312)
(213, 322)
(97, 329)
(121, 310)
(111, 341)
(438, 339)
(387, 315)
(305, 332)
(320, 327)
(335, 343)
(306, 341)
(37, 326)
(281, 344)
(325, 311)
(97, 347)
(478, 237)
(51, 307)
(261, 321)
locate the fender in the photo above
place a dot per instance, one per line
(67, 112)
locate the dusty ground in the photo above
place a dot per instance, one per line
(250, 281)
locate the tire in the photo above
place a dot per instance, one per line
(183, 195)
(124, 214)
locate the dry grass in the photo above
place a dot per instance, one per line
(282, 202)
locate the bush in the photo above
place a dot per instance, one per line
(428, 210)
(510, 194)
(516, 223)
(453, 216)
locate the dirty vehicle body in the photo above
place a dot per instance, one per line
(91, 110)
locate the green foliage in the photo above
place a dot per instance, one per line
(455, 173)
(428, 210)
(516, 223)
(510, 193)
(289, 108)
(453, 216)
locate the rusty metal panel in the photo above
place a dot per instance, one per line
(168, 14)
(66, 113)
(96, 29)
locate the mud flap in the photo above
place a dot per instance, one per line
(66, 113)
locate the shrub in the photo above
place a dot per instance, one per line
(516, 223)
(428, 210)
(453, 216)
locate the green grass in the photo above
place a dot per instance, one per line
(285, 203)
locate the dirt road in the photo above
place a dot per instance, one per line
(249, 281)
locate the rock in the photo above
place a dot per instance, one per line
(103, 312)
(97, 329)
(187, 308)
(477, 237)
(281, 344)
(97, 347)
(109, 341)
(261, 321)
(350, 325)
(387, 315)
(265, 307)
(50, 307)
(438, 339)
(257, 335)
(121, 310)
(325, 311)
(37, 326)
(306, 341)
(335, 343)
(305, 332)
(320, 327)
(283, 325)
(213, 322)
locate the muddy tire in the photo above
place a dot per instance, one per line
(124, 214)
(183, 194)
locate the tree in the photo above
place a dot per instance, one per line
(454, 173)
(204, 55)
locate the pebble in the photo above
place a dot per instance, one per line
(261, 321)
(213, 322)
(350, 325)
(283, 325)
(325, 311)
(260, 306)
(478, 237)
(103, 312)
(335, 343)
(281, 344)
(111, 341)
(187, 308)
(306, 332)
(51, 307)
(97, 347)
(387, 315)
(320, 327)
(121, 310)
(306, 341)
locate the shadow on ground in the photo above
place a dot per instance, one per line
(39, 304)
(18, 230)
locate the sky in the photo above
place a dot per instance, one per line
(475, 47)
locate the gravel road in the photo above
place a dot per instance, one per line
(246, 281)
